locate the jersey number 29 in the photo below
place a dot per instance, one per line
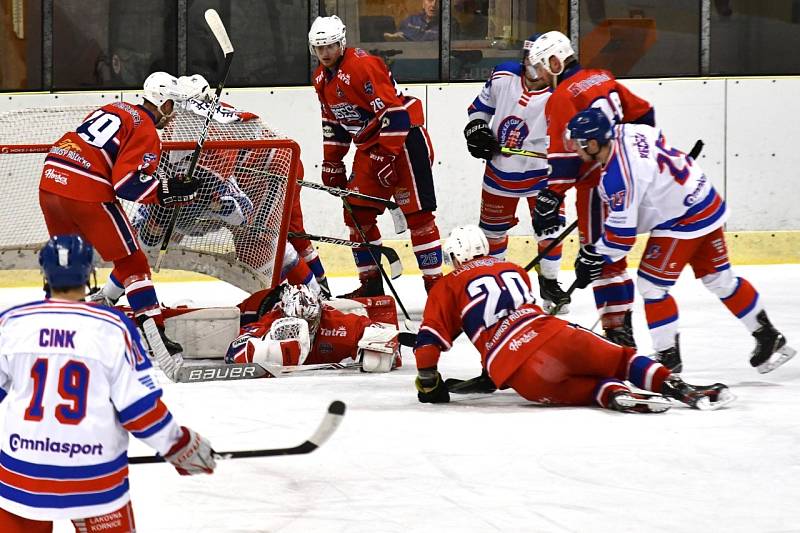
(73, 386)
(99, 128)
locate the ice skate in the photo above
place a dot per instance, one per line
(705, 398)
(555, 301)
(97, 296)
(622, 335)
(637, 402)
(670, 357)
(371, 285)
(771, 350)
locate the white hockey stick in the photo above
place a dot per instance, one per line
(326, 428)
(169, 365)
(224, 372)
(218, 29)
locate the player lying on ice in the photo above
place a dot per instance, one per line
(543, 358)
(293, 327)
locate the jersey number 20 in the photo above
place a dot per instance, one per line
(500, 297)
(73, 386)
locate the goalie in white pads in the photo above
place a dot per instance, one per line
(300, 329)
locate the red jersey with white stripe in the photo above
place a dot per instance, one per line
(76, 381)
(114, 153)
(360, 101)
(489, 300)
(579, 88)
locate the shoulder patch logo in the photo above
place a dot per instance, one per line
(368, 88)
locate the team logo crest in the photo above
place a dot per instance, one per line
(368, 88)
(653, 252)
(339, 92)
(512, 132)
(149, 157)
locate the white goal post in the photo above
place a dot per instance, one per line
(247, 158)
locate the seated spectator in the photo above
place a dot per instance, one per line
(422, 26)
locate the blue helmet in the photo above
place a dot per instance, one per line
(590, 124)
(66, 261)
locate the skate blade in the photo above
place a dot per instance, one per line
(724, 398)
(652, 404)
(777, 359)
(552, 309)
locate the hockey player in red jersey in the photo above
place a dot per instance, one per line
(574, 89)
(76, 382)
(299, 329)
(361, 104)
(114, 154)
(542, 357)
(649, 187)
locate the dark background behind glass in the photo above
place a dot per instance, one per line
(21, 56)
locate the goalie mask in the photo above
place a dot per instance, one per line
(465, 243)
(300, 302)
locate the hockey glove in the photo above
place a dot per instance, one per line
(192, 454)
(481, 142)
(334, 174)
(479, 384)
(547, 217)
(382, 163)
(431, 387)
(588, 266)
(174, 192)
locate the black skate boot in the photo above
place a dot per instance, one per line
(705, 398)
(324, 289)
(771, 350)
(671, 357)
(637, 402)
(622, 335)
(371, 285)
(554, 300)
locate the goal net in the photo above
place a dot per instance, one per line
(236, 228)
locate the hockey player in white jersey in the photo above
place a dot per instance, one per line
(76, 381)
(650, 187)
(509, 112)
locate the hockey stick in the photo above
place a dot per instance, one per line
(696, 149)
(507, 150)
(555, 242)
(389, 253)
(399, 219)
(235, 372)
(326, 428)
(407, 321)
(218, 29)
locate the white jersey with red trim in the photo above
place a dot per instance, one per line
(75, 380)
(650, 187)
(518, 121)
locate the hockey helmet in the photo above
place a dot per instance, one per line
(66, 261)
(465, 243)
(301, 302)
(552, 43)
(589, 124)
(162, 86)
(326, 30)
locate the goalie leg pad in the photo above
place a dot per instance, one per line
(378, 348)
(272, 352)
(372, 361)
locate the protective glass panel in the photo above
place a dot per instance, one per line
(112, 43)
(405, 33)
(641, 38)
(270, 42)
(755, 37)
(485, 33)
(21, 45)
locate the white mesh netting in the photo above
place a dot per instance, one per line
(236, 228)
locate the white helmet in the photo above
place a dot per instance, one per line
(299, 301)
(326, 30)
(465, 243)
(198, 83)
(161, 86)
(552, 43)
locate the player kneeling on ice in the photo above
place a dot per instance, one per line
(301, 330)
(543, 358)
(76, 381)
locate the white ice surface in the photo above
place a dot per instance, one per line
(493, 463)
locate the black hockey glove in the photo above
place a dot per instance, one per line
(547, 217)
(431, 387)
(173, 192)
(588, 266)
(480, 139)
(479, 384)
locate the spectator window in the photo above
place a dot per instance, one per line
(21, 42)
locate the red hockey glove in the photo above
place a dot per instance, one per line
(192, 454)
(383, 167)
(334, 174)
